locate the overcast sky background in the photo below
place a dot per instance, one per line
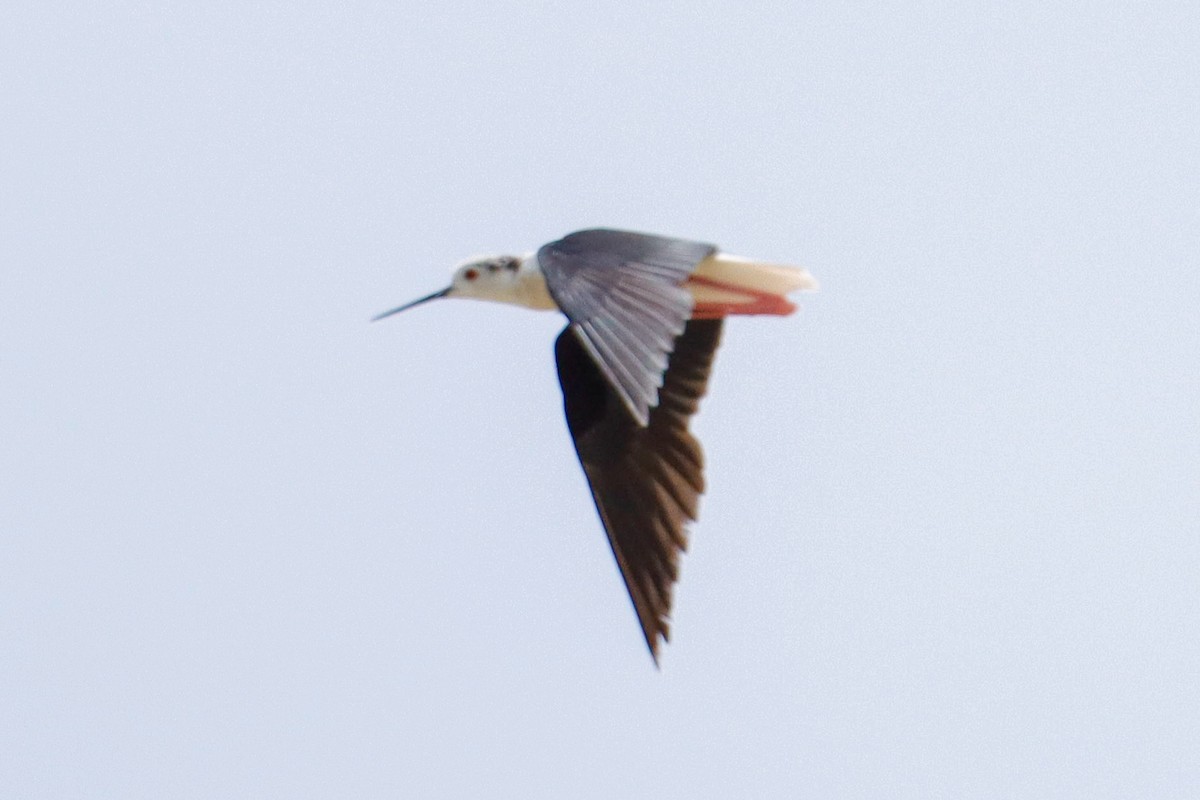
(253, 546)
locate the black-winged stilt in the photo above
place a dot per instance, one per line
(645, 315)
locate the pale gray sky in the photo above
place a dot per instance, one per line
(252, 546)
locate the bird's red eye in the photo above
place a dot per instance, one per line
(471, 274)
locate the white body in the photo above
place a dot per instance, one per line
(721, 282)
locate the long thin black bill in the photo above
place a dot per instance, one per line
(407, 306)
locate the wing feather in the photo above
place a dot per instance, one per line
(623, 293)
(646, 480)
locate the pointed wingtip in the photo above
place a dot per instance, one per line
(655, 639)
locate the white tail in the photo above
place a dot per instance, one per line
(723, 284)
(745, 273)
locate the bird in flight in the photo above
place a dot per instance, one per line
(645, 315)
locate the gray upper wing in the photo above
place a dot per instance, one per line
(623, 294)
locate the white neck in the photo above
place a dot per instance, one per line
(529, 289)
(503, 279)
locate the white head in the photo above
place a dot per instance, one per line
(487, 278)
(501, 279)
